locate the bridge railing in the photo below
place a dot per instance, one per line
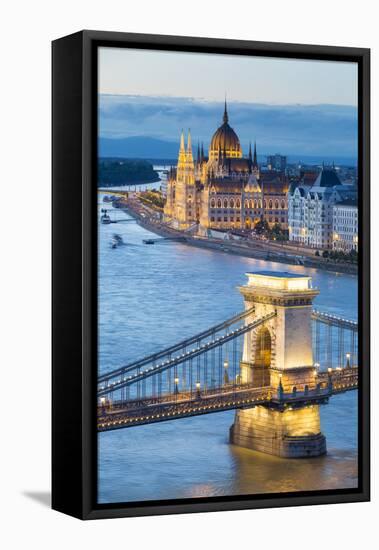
(212, 358)
(183, 404)
(335, 341)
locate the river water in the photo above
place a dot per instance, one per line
(153, 296)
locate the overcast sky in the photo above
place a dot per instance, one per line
(209, 77)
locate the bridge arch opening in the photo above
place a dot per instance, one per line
(263, 348)
(262, 359)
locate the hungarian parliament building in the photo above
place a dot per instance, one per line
(227, 191)
(224, 190)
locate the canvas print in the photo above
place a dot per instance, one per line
(228, 253)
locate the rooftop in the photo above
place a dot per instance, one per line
(279, 281)
(348, 202)
(327, 178)
(279, 274)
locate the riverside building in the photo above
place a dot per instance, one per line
(345, 225)
(311, 209)
(223, 190)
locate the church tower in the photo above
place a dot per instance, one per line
(255, 166)
(185, 194)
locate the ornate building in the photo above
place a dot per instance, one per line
(345, 225)
(311, 209)
(223, 190)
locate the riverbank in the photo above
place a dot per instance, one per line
(145, 217)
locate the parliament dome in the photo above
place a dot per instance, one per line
(225, 140)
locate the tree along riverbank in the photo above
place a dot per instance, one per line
(112, 171)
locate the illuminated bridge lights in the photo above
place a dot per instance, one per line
(218, 400)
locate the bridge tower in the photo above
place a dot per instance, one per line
(279, 355)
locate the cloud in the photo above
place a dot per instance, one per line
(290, 129)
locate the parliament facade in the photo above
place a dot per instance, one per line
(223, 190)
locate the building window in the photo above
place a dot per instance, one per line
(218, 219)
(225, 218)
(238, 204)
(225, 203)
(231, 203)
(270, 204)
(276, 204)
(283, 205)
(219, 203)
(213, 203)
(212, 219)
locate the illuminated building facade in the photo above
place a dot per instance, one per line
(310, 209)
(223, 190)
(345, 226)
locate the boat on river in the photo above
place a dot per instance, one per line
(105, 217)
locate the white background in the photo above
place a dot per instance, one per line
(26, 31)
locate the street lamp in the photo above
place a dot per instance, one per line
(102, 403)
(176, 380)
(316, 368)
(226, 376)
(330, 381)
(197, 389)
(348, 360)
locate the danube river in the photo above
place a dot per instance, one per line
(152, 296)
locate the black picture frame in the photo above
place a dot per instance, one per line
(74, 314)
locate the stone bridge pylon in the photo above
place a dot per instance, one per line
(279, 354)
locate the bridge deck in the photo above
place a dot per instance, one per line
(185, 404)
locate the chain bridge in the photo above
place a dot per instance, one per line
(274, 363)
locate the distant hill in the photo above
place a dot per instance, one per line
(155, 150)
(137, 147)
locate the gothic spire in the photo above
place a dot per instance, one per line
(189, 142)
(182, 148)
(202, 151)
(250, 153)
(198, 153)
(225, 118)
(189, 157)
(255, 159)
